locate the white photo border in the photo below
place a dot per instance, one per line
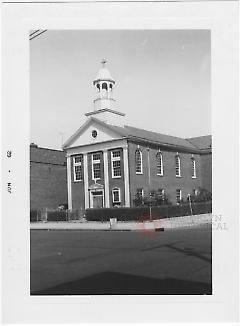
(18, 19)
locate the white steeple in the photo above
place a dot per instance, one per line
(104, 84)
(104, 103)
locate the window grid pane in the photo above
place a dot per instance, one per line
(96, 171)
(138, 161)
(116, 196)
(78, 159)
(116, 168)
(78, 172)
(193, 167)
(178, 195)
(159, 164)
(96, 157)
(177, 163)
(116, 153)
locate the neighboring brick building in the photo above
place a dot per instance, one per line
(48, 178)
(108, 163)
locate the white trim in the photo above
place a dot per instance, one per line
(114, 159)
(85, 171)
(95, 162)
(69, 182)
(194, 176)
(180, 193)
(161, 162)
(96, 147)
(126, 176)
(140, 151)
(91, 196)
(106, 177)
(74, 165)
(119, 194)
(179, 166)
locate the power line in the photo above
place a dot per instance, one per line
(41, 32)
(34, 32)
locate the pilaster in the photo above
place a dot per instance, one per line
(126, 176)
(106, 177)
(85, 169)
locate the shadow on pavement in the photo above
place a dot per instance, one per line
(111, 283)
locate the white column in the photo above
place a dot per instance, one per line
(126, 176)
(85, 168)
(106, 177)
(69, 182)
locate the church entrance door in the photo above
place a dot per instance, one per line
(97, 199)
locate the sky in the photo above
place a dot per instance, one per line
(162, 80)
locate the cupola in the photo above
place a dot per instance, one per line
(104, 103)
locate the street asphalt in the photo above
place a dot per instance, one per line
(78, 262)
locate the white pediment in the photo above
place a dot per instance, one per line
(84, 136)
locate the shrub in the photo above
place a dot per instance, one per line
(203, 195)
(143, 213)
(154, 198)
(56, 215)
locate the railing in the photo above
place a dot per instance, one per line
(56, 215)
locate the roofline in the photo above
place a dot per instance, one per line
(102, 142)
(68, 142)
(48, 149)
(104, 110)
(172, 146)
(106, 79)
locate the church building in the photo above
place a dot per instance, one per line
(109, 163)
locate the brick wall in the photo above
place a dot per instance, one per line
(78, 197)
(169, 182)
(206, 168)
(116, 182)
(48, 178)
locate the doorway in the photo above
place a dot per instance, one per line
(97, 199)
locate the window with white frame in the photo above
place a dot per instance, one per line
(159, 158)
(96, 166)
(116, 163)
(178, 195)
(178, 165)
(77, 168)
(138, 161)
(193, 167)
(116, 196)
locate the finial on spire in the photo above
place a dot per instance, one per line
(103, 62)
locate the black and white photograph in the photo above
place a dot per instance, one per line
(120, 162)
(126, 146)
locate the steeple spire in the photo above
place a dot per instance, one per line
(104, 103)
(103, 62)
(104, 84)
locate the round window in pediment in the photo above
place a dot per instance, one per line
(94, 133)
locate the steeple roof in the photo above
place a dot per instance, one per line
(103, 73)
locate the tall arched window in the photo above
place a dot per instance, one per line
(159, 163)
(138, 161)
(193, 167)
(178, 165)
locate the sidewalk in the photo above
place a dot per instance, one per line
(166, 223)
